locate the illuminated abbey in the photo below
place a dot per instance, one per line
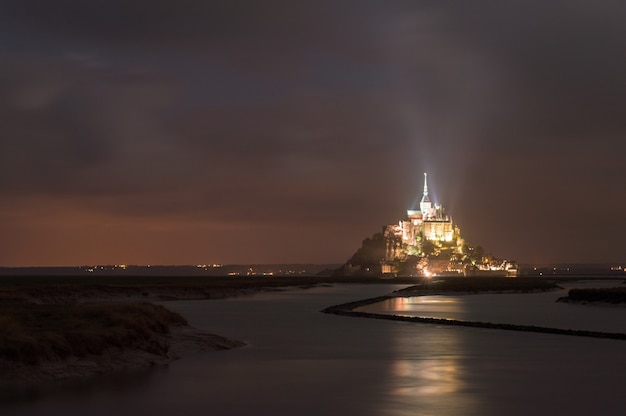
(430, 222)
(427, 242)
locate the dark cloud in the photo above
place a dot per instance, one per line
(70, 127)
(226, 122)
(275, 37)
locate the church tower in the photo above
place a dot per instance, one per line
(425, 205)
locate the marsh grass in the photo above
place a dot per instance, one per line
(32, 333)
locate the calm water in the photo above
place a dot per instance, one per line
(540, 309)
(301, 362)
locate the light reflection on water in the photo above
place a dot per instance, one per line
(431, 377)
(299, 361)
(539, 309)
(435, 377)
(445, 307)
(428, 374)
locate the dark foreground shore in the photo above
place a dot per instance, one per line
(44, 343)
(67, 327)
(59, 328)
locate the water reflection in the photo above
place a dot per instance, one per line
(118, 384)
(435, 376)
(429, 372)
(446, 307)
(539, 309)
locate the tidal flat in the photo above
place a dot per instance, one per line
(59, 328)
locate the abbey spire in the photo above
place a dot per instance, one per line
(425, 205)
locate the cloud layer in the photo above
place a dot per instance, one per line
(183, 132)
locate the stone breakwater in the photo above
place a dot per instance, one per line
(347, 309)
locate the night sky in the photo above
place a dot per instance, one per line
(185, 132)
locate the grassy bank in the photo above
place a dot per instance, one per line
(30, 334)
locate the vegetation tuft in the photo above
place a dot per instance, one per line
(32, 333)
